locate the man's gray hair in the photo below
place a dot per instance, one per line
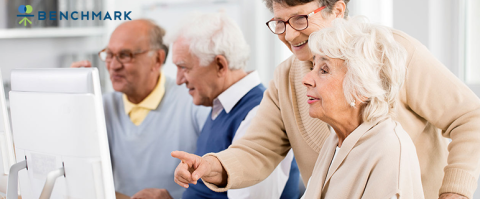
(375, 62)
(327, 3)
(156, 35)
(212, 34)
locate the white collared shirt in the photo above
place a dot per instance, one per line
(230, 97)
(272, 187)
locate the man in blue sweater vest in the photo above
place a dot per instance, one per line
(148, 115)
(210, 53)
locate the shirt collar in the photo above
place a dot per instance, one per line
(230, 97)
(153, 99)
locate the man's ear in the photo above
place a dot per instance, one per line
(159, 58)
(221, 65)
(339, 9)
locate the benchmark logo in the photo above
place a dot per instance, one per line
(25, 11)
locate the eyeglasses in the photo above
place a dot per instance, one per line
(122, 57)
(297, 22)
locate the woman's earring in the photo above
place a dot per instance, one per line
(352, 104)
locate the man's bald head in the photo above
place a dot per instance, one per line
(141, 31)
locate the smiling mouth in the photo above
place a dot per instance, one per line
(300, 44)
(117, 76)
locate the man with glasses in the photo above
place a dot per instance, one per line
(149, 115)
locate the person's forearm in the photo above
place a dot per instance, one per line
(218, 174)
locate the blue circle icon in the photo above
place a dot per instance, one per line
(22, 9)
(25, 9)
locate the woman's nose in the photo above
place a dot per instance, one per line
(308, 81)
(290, 33)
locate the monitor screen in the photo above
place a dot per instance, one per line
(7, 155)
(58, 122)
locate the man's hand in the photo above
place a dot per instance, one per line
(451, 196)
(194, 167)
(152, 193)
(79, 64)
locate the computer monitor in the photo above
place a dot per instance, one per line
(59, 126)
(7, 155)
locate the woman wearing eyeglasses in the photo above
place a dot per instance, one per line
(431, 105)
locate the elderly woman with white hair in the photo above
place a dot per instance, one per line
(357, 73)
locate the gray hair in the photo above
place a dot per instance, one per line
(212, 34)
(156, 35)
(375, 62)
(327, 3)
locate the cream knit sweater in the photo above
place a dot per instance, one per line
(433, 105)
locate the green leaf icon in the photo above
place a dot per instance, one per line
(29, 9)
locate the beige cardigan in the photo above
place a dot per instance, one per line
(377, 160)
(433, 104)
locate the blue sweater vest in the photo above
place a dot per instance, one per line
(217, 135)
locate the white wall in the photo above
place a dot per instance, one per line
(266, 50)
(377, 11)
(43, 52)
(473, 43)
(412, 17)
(443, 32)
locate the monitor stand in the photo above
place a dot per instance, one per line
(50, 182)
(12, 186)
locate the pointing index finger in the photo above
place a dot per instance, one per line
(185, 157)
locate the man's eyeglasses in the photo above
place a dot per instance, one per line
(297, 22)
(122, 57)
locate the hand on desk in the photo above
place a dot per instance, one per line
(152, 193)
(79, 64)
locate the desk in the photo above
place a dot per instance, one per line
(121, 196)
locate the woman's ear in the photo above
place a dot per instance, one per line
(221, 65)
(339, 9)
(364, 99)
